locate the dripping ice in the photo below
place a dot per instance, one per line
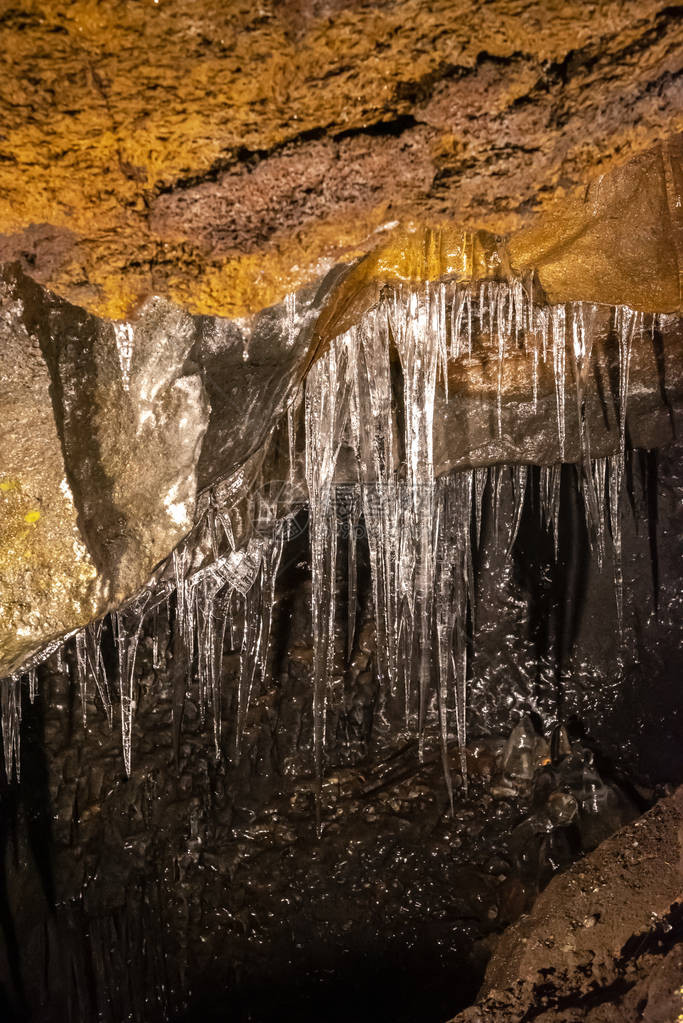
(420, 529)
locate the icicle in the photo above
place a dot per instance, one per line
(439, 332)
(614, 472)
(32, 684)
(469, 324)
(90, 666)
(519, 479)
(482, 310)
(82, 673)
(326, 414)
(127, 625)
(517, 299)
(481, 475)
(418, 351)
(372, 434)
(582, 341)
(495, 476)
(550, 483)
(626, 321)
(10, 698)
(559, 343)
(156, 659)
(535, 375)
(460, 303)
(503, 331)
(599, 473)
(352, 569)
(185, 603)
(271, 564)
(452, 596)
(95, 666)
(212, 602)
(555, 494)
(258, 614)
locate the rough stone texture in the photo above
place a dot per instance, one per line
(102, 430)
(183, 149)
(602, 942)
(49, 578)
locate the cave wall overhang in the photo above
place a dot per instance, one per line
(114, 427)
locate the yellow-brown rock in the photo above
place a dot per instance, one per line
(222, 154)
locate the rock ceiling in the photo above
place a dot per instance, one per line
(224, 154)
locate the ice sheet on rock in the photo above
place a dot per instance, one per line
(125, 339)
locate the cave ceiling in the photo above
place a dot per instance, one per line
(224, 154)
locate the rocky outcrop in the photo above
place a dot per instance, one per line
(603, 940)
(225, 155)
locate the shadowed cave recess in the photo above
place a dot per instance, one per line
(340, 513)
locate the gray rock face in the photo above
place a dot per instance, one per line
(106, 432)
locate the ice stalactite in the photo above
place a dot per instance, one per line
(353, 513)
(520, 473)
(559, 321)
(374, 393)
(625, 323)
(32, 684)
(599, 473)
(127, 626)
(10, 697)
(370, 411)
(481, 476)
(419, 335)
(258, 604)
(326, 415)
(453, 596)
(90, 669)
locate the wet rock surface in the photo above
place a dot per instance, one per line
(169, 404)
(138, 419)
(196, 888)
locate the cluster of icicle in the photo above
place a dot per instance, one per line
(420, 529)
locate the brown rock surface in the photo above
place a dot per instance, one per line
(224, 154)
(602, 942)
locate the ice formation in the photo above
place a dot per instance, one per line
(421, 528)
